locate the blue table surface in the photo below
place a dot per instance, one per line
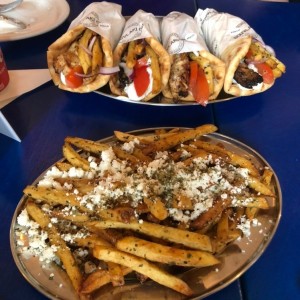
(268, 122)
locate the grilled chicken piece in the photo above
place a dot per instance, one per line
(247, 77)
(179, 76)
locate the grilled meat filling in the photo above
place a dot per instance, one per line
(247, 77)
(179, 76)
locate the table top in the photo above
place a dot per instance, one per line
(268, 122)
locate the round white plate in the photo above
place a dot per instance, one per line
(40, 16)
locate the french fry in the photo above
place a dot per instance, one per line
(164, 254)
(83, 185)
(63, 252)
(127, 137)
(116, 274)
(234, 159)
(74, 158)
(131, 55)
(212, 215)
(98, 279)
(87, 145)
(156, 85)
(190, 239)
(53, 196)
(119, 214)
(84, 57)
(91, 241)
(125, 155)
(181, 137)
(63, 166)
(157, 208)
(97, 55)
(142, 266)
(260, 187)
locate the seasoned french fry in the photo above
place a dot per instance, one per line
(74, 158)
(190, 239)
(211, 215)
(164, 254)
(125, 155)
(127, 137)
(53, 196)
(235, 159)
(181, 137)
(83, 185)
(157, 208)
(87, 145)
(115, 273)
(120, 214)
(131, 55)
(84, 57)
(156, 85)
(260, 187)
(223, 227)
(142, 266)
(98, 279)
(63, 252)
(97, 55)
(91, 241)
(63, 166)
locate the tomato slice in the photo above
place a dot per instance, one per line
(266, 72)
(72, 79)
(141, 80)
(198, 84)
(193, 76)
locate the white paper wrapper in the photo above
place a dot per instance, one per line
(141, 25)
(104, 18)
(220, 30)
(180, 34)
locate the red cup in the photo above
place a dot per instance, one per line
(4, 77)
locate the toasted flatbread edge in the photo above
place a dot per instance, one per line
(62, 44)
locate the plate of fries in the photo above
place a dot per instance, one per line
(163, 213)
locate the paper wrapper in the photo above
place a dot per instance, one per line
(180, 34)
(229, 38)
(104, 18)
(220, 30)
(141, 25)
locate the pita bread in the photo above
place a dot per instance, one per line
(164, 65)
(218, 68)
(62, 44)
(232, 56)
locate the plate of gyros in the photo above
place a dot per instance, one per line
(158, 213)
(175, 59)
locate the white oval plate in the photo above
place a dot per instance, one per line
(236, 260)
(40, 16)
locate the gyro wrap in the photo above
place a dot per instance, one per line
(140, 54)
(233, 41)
(81, 60)
(184, 43)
